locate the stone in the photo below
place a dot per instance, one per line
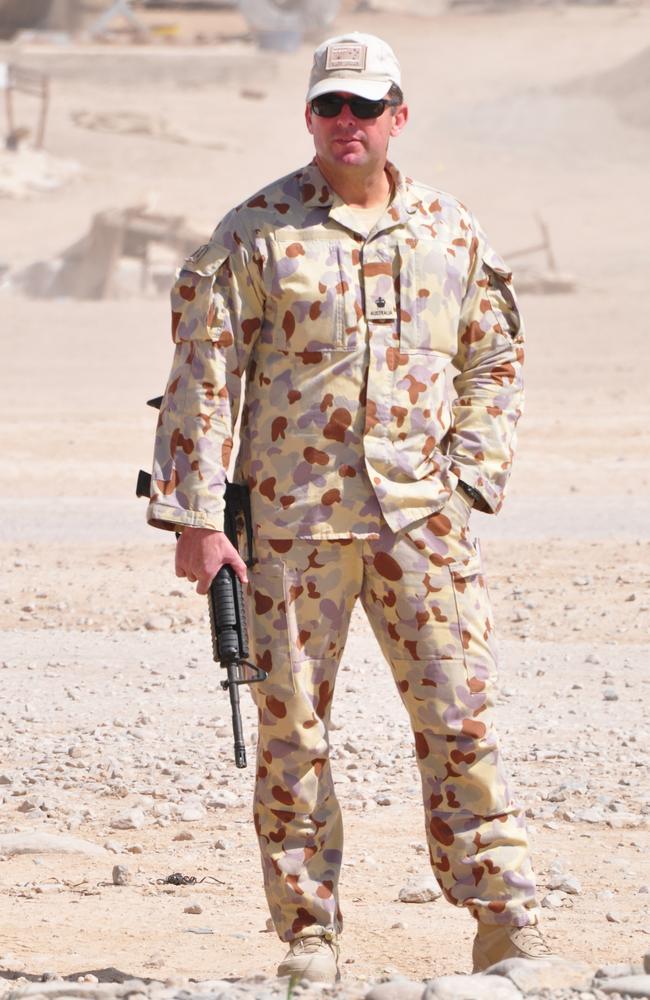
(132, 819)
(158, 623)
(614, 970)
(193, 814)
(47, 843)
(553, 900)
(628, 986)
(396, 989)
(480, 987)
(193, 908)
(646, 962)
(567, 883)
(552, 973)
(591, 815)
(121, 875)
(421, 890)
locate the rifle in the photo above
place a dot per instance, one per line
(226, 603)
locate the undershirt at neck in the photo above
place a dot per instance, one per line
(367, 218)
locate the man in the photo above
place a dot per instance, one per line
(343, 293)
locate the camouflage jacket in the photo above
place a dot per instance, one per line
(346, 341)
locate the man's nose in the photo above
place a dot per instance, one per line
(345, 116)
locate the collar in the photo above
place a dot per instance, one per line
(315, 192)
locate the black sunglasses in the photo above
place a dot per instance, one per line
(331, 105)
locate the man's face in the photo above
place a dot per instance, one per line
(356, 143)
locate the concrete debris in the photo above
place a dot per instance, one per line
(26, 172)
(139, 123)
(126, 252)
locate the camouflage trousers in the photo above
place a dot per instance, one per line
(425, 597)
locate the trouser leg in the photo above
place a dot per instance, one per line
(301, 596)
(426, 598)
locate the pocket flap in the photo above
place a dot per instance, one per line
(496, 265)
(468, 567)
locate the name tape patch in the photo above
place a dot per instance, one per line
(346, 56)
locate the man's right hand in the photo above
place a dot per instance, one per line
(200, 554)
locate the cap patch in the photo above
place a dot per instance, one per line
(349, 55)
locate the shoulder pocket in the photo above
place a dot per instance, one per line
(198, 314)
(206, 259)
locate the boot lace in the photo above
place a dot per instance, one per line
(529, 940)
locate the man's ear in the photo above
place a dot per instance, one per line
(400, 119)
(308, 114)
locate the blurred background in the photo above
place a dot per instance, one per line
(126, 131)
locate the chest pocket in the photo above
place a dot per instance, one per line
(314, 301)
(432, 285)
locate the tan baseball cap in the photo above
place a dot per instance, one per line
(356, 64)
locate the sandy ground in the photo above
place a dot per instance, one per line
(103, 715)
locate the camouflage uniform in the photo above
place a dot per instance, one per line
(352, 445)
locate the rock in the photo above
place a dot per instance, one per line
(62, 991)
(613, 917)
(184, 835)
(552, 973)
(421, 890)
(629, 986)
(614, 970)
(396, 989)
(47, 843)
(121, 875)
(132, 819)
(646, 962)
(592, 815)
(193, 814)
(609, 694)
(158, 623)
(567, 883)
(193, 908)
(479, 987)
(553, 900)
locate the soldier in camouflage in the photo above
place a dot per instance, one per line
(342, 295)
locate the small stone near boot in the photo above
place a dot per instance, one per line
(479, 987)
(628, 986)
(646, 961)
(613, 970)
(396, 989)
(567, 883)
(193, 908)
(552, 973)
(421, 890)
(121, 875)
